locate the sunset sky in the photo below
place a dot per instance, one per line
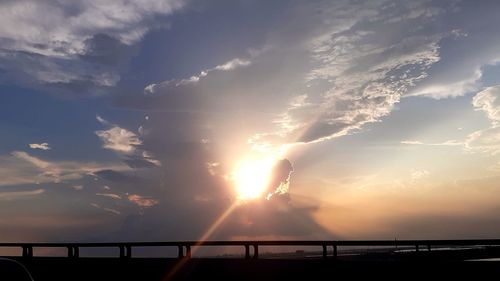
(186, 119)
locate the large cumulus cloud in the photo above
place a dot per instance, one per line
(349, 66)
(80, 48)
(325, 70)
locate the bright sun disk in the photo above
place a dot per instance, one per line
(252, 178)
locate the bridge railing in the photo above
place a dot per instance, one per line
(184, 247)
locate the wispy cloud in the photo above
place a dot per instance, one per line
(149, 157)
(486, 140)
(127, 143)
(16, 195)
(488, 100)
(42, 146)
(445, 143)
(23, 168)
(411, 142)
(33, 160)
(142, 201)
(318, 84)
(110, 195)
(110, 210)
(165, 86)
(361, 88)
(418, 174)
(233, 64)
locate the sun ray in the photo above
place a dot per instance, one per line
(213, 227)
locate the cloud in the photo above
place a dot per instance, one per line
(80, 48)
(418, 174)
(170, 85)
(23, 168)
(326, 81)
(488, 100)
(16, 195)
(280, 178)
(149, 158)
(445, 143)
(411, 142)
(486, 140)
(452, 89)
(460, 71)
(233, 64)
(102, 121)
(114, 175)
(109, 195)
(31, 159)
(325, 75)
(126, 142)
(42, 146)
(110, 210)
(362, 78)
(119, 139)
(193, 190)
(142, 201)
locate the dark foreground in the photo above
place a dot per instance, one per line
(55, 269)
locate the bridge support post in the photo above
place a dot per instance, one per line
(181, 251)
(125, 251)
(324, 251)
(122, 251)
(73, 251)
(27, 251)
(334, 251)
(247, 251)
(188, 251)
(76, 251)
(255, 251)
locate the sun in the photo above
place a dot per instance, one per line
(252, 178)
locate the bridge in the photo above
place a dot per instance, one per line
(446, 257)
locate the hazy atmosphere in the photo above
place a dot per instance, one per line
(187, 119)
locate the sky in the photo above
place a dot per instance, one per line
(159, 120)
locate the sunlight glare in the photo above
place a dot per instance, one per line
(252, 178)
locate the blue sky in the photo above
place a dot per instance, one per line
(307, 119)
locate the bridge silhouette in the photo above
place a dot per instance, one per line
(184, 247)
(419, 257)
